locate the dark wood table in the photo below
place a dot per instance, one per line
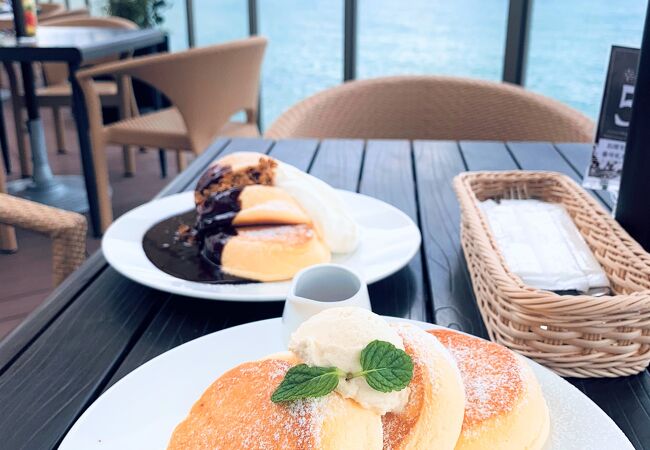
(98, 326)
(77, 46)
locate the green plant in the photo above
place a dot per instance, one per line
(146, 13)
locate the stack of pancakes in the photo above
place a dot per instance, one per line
(466, 393)
(250, 227)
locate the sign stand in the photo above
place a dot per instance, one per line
(633, 209)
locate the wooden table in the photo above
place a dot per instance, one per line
(76, 46)
(98, 326)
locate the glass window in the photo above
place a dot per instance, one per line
(570, 43)
(175, 24)
(220, 21)
(462, 37)
(305, 51)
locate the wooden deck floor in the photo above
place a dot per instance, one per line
(26, 277)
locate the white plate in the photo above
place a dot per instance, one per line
(141, 410)
(389, 239)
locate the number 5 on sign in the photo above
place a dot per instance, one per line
(604, 172)
(627, 92)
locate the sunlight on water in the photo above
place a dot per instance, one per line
(569, 46)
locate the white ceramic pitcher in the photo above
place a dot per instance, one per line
(321, 287)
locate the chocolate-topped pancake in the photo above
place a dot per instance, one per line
(235, 171)
(271, 253)
(256, 219)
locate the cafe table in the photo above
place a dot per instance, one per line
(98, 325)
(74, 46)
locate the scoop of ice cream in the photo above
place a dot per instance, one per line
(335, 337)
(323, 204)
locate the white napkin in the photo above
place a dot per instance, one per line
(542, 245)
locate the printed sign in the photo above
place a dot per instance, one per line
(604, 172)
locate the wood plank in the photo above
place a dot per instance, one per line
(579, 157)
(247, 145)
(388, 175)
(544, 156)
(454, 306)
(576, 154)
(182, 319)
(297, 152)
(480, 155)
(338, 162)
(77, 352)
(540, 156)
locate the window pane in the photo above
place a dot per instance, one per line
(219, 21)
(175, 24)
(570, 44)
(463, 37)
(304, 53)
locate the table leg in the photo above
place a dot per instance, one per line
(3, 139)
(85, 149)
(23, 152)
(65, 192)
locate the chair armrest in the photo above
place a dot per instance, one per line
(66, 229)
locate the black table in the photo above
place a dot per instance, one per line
(98, 326)
(76, 46)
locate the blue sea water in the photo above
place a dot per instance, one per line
(569, 43)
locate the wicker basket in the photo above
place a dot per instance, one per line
(579, 336)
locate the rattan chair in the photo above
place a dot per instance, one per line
(57, 92)
(206, 86)
(432, 107)
(66, 229)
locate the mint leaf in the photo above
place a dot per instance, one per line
(386, 367)
(303, 381)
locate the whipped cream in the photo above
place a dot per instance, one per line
(323, 204)
(335, 337)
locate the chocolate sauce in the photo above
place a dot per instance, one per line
(212, 175)
(183, 258)
(218, 211)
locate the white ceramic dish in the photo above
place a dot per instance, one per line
(389, 239)
(141, 410)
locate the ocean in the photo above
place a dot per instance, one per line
(569, 43)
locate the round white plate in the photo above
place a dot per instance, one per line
(141, 410)
(389, 239)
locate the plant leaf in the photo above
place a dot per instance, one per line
(303, 381)
(386, 367)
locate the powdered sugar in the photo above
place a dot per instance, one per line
(491, 374)
(236, 412)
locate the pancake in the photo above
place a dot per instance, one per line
(433, 417)
(236, 412)
(266, 253)
(505, 408)
(250, 205)
(268, 205)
